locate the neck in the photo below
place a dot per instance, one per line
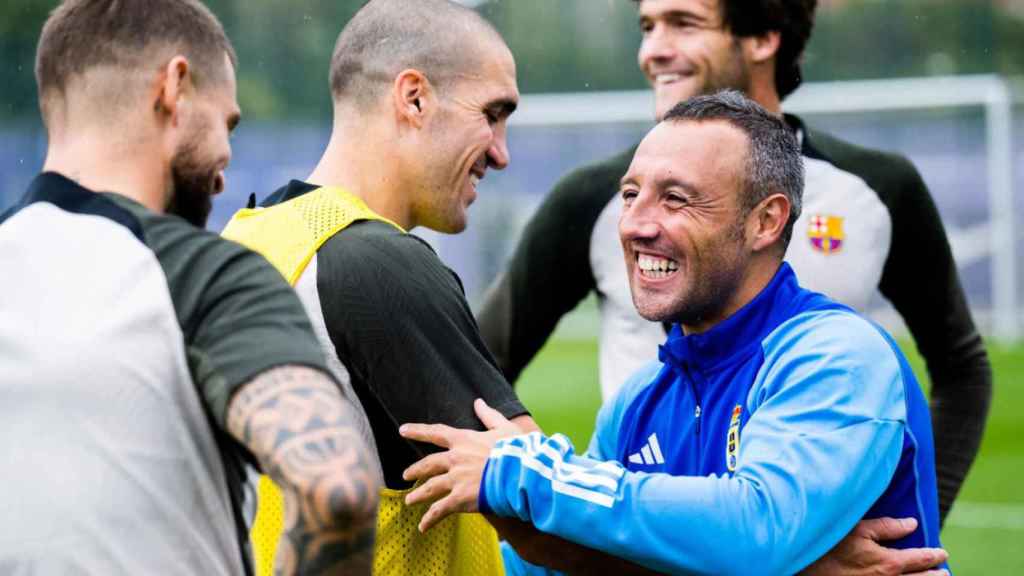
(362, 165)
(92, 159)
(762, 88)
(767, 97)
(758, 275)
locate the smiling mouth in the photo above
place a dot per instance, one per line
(656, 267)
(668, 78)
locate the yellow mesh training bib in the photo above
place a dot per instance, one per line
(288, 235)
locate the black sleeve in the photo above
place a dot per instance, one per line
(920, 279)
(550, 272)
(239, 316)
(400, 323)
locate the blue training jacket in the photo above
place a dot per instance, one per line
(752, 448)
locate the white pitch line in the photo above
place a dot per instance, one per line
(990, 515)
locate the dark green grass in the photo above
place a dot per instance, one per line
(984, 536)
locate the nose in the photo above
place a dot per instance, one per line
(655, 47)
(639, 222)
(498, 155)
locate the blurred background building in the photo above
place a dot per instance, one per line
(952, 131)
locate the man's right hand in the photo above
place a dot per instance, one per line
(860, 554)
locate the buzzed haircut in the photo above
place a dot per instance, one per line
(437, 37)
(774, 164)
(82, 34)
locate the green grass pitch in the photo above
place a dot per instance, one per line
(984, 532)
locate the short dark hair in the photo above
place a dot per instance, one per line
(437, 37)
(774, 163)
(793, 19)
(83, 34)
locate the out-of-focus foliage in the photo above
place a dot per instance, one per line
(560, 45)
(20, 21)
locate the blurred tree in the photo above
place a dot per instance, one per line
(873, 39)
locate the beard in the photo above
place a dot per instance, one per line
(732, 74)
(716, 271)
(193, 185)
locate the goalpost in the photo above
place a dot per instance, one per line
(995, 238)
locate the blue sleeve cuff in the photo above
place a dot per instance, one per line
(481, 500)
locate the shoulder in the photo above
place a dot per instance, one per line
(373, 238)
(608, 428)
(184, 249)
(837, 354)
(885, 172)
(636, 383)
(205, 271)
(381, 250)
(401, 265)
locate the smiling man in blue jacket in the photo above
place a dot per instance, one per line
(776, 418)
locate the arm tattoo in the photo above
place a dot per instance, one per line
(300, 428)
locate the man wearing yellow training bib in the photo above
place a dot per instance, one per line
(422, 91)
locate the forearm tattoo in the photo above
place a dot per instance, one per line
(300, 428)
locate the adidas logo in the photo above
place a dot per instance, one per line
(650, 454)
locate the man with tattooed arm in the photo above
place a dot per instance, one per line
(144, 360)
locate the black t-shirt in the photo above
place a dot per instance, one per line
(400, 324)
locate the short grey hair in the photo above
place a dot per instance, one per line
(437, 37)
(774, 163)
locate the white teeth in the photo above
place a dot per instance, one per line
(667, 78)
(656, 267)
(474, 180)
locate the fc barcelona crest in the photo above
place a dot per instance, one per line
(732, 441)
(826, 233)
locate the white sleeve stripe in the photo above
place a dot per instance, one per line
(593, 497)
(579, 484)
(555, 456)
(563, 470)
(534, 443)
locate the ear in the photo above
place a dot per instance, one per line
(761, 48)
(767, 221)
(173, 83)
(413, 97)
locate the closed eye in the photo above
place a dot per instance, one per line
(676, 201)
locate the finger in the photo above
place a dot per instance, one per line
(437, 434)
(431, 490)
(437, 512)
(427, 467)
(881, 529)
(489, 416)
(917, 559)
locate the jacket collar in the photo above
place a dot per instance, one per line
(734, 335)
